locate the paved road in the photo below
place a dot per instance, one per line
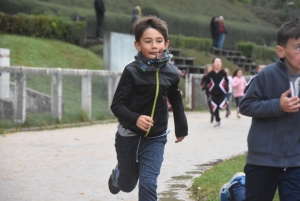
(73, 164)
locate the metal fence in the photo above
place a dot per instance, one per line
(46, 95)
(61, 94)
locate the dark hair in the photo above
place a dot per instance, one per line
(236, 71)
(288, 30)
(150, 21)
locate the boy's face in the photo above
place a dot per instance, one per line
(151, 43)
(291, 54)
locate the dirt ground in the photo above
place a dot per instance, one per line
(74, 164)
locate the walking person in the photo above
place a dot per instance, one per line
(239, 83)
(218, 88)
(229, 93)
(100, 10)
(139, 103)
(272, 100)
(204, 86)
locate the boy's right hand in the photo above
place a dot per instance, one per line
(144, 122)
(289, 104)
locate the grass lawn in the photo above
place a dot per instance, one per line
(37, 52)
(207, 186)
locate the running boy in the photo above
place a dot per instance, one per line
(272, 101)
(140, 105)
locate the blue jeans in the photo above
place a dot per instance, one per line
(216, 41)
(262, 182)
(221, 40)
(228, 95)
(139, 158)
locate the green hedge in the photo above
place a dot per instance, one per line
(43, 26)
(200, 44)
(257, 52)
(196, 26)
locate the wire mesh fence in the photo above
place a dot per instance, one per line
(39, 96)
(43, 96)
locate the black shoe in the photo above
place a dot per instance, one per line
(211, 118)
(112, 188)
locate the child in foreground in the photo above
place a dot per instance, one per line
(272, 100)
(140, 105)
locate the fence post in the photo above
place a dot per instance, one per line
(86, 94)
(20, 98)
(4, 76)
(188, 91)
(110, 90)
(56, 95)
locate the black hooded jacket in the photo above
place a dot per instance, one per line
(135, 96)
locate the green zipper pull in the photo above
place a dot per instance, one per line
(155, 99)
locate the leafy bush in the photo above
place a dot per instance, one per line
(262, 52)
(245, 47)
(257, 52)
(43, 26)
(181, 41)
(199, 27)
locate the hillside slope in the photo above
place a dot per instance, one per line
(200, 8)
(38, 52)
(187, 17)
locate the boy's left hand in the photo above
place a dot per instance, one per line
(179, 139)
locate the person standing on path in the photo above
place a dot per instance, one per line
(139, 103)
(204, 86)
(100, 10)
(218, 88)
(239, 83)
(272, 100)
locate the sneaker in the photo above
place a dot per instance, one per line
(112, 187)
(225, 189)
(218, 123)
(228, 113)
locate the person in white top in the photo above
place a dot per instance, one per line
(228, 95)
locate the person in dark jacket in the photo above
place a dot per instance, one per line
(136, 13)
(272, 100)
(100, 10)
(214, 30)
(204, 86)
(140, 105)
(218, 88)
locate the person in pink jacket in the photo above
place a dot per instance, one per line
(238, 86)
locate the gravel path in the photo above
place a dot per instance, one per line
(74, 164)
